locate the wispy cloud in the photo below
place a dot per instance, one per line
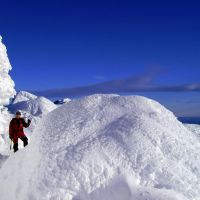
(143, 83)
(99, 77)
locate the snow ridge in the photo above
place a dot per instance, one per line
(23, 96)
(35, 107)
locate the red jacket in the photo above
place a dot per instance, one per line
(16, 127)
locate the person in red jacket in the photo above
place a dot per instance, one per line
(16, 130)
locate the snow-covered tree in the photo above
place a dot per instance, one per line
(7, 90)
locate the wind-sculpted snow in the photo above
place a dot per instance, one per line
(23, 96)
(6, 92)
(5, 117)
(35, 107)
(6, 83)
(106, 147)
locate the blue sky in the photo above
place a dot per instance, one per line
(73, 44)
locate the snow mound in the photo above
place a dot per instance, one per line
(106, 147)
(23, 96)
(7, 91)
(6, 83)
(36, 106)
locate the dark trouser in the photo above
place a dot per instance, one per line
(25, 141)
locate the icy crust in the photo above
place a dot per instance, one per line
(106, 147)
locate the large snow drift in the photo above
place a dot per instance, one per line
(106, 147)
(6, 83)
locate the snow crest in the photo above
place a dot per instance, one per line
(106, 147)
(31, 104)
(23, 96)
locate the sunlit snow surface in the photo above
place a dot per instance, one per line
(195, 128)
(22, 96)
(6, 83)
(31, 105)
(106, 147)
(7, 91)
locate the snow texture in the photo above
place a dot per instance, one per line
(6, 93)
(195, 128)
(5, 118)
(34, 106)
(23, 96)
(106, 147)
(6, 83)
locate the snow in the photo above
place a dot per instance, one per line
(195, 128)
(106, 147)
(36, 107)
(6, 92)
(5, 118)
(6, 83)
(23, 96)
(66, 100)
